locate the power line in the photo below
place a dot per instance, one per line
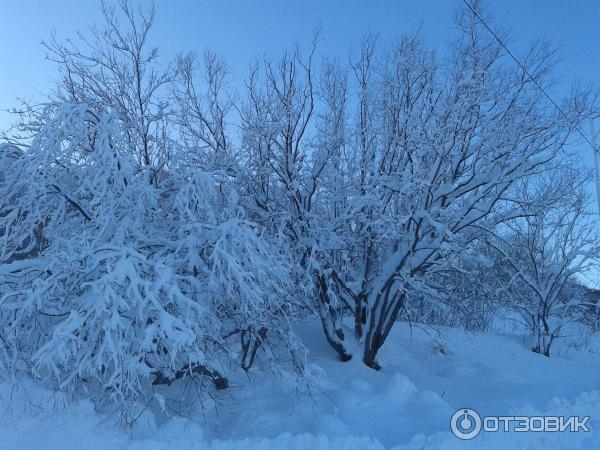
(524, 69)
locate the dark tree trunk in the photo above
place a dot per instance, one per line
(329, 320)
(389, 305)
(218, 380)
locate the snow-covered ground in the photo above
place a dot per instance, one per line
(407, 405)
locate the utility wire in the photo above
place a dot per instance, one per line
(524, 69)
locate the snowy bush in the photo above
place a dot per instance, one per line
(115, 284)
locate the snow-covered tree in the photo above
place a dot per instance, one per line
(552, 243)
(116, 67)
(119, 285)
(434, 150)
(129, 259)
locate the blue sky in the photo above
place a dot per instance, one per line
(241, 30)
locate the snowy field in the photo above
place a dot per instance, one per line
(428, 374)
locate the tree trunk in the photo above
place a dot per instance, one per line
(387, 307)
(542, 339)
(330, 321)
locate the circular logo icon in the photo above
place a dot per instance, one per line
(465, 423)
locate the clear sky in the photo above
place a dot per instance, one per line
(241, 30)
